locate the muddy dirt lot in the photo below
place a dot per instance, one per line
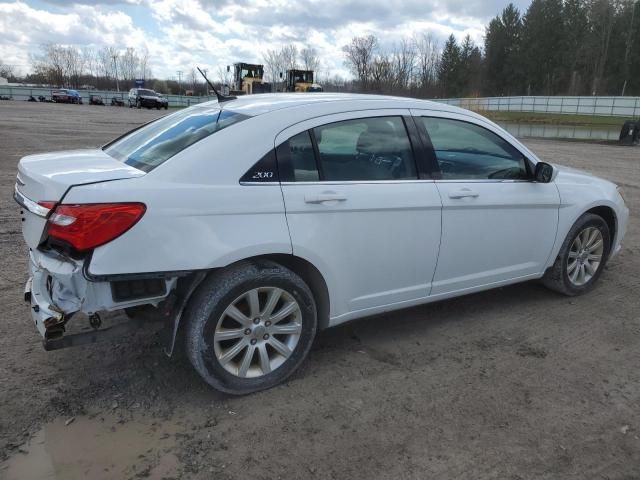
(515, 383)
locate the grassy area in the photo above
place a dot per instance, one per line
(554, 119)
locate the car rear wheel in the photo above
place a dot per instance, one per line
(582, 257)
(250, 326)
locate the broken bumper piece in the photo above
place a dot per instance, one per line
(57, 289)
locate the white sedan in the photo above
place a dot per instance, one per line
(250, 224)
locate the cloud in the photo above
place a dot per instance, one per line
(180, 34)
(66, 3)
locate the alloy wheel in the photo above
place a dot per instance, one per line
(258, 332)
(585, 256)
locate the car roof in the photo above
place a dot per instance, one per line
(259, 104)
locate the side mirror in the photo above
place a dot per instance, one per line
(543, 172)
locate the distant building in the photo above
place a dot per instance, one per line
(3, 81)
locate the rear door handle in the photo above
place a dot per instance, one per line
(324, 197)
(463, 193)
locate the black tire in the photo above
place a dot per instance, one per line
(138, 104)
(215, 294)
(166, 107)
(557, 278)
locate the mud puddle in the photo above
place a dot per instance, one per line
(99, 447)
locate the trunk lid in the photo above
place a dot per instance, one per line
(47, 177)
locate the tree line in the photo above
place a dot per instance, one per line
(557, 47)
(101, 68)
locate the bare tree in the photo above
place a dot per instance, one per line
(427, 60)
(381, 74)
(403, 59)
(224, 76)
(143, 64)
(90, 61)
(104, 62)
(192, 78)
(54, 62)
(274, 66)
(289, 55)
(6, 71)
(309, 58)
(73, 63)
(129, 63)
(359, 55)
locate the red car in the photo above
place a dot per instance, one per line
(65, 95)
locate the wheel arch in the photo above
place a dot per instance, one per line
(603, 209)
(311, 276)
(305, 269)
(608, 214)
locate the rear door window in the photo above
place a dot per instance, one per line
(365, 149)
(302, 158)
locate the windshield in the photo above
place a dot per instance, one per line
(306, 77)
(158, 141)
(146, 92)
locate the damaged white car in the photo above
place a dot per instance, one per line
(248, 225)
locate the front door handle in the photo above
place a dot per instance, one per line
(463, 193)
(324, 197)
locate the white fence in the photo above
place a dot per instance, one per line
(607, 106)
(23, 93)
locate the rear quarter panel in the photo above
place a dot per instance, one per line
(198, 215)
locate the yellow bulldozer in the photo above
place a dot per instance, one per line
(301, 81)
(248, 79)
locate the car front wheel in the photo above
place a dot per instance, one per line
(250, 326)
(582, 257)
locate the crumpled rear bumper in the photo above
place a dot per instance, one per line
(58, 289)
(55, 290)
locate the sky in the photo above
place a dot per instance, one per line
(182, 34)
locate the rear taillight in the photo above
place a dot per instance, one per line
(88, 226)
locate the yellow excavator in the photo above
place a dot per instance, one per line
(248, 79)
(301, 81)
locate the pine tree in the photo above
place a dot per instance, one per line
(574, 51)
(542, 42)
(470, 68)
(449, 70)
(504, 67)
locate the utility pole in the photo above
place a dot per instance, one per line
(115, 66)
(179, 73)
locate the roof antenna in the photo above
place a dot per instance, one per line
(221, 98)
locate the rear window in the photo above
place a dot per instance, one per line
(158, 141)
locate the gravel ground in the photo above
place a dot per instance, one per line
(515, 383)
